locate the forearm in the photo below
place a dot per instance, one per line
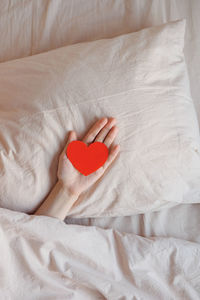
(58, 203)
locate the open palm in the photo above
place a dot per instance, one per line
(105, 131)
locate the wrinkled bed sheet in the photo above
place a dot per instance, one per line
(43, 258)
(29, 27)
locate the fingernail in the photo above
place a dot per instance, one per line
(104, 119)
(113, 121)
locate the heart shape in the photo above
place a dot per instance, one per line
(87, 159)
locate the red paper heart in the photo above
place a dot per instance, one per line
(87, 159)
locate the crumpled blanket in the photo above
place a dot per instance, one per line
(43, 258)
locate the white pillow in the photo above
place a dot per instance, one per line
(141, 79)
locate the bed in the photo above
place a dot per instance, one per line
(134, 244)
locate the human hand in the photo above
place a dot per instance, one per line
(72, 180)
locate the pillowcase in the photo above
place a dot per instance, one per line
(139, 78)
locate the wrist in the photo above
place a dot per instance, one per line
(58, 203)
(69, 191)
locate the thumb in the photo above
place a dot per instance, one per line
(71, 137)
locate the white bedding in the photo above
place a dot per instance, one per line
(34, 26)
(43, 258)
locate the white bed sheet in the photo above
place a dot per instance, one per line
(29, 27)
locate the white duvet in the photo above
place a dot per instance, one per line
(43, 258)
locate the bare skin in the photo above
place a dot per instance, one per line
(71, 183)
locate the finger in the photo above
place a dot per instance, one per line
(71, 137)
(94, 130)
(105, 130)
(112, 155)
(111, 136)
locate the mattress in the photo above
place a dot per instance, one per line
(30, 27)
